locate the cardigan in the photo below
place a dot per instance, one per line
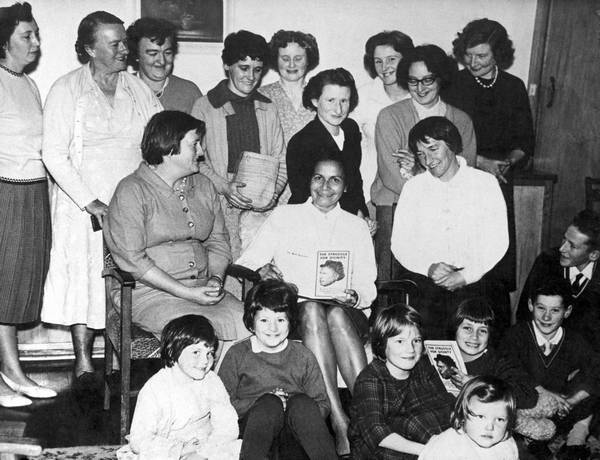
(179, 94)
(391, 133)
(305, 148)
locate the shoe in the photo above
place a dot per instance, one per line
(86, 381)
(14, 400)
(540, 450)
(33, 391)
(580, 452)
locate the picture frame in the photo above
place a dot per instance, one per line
(196, 20)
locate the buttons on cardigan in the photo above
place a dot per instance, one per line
(191, 264)
(186, 209)
(191, 224)
(181, 197)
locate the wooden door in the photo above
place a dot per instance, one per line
(568, 101)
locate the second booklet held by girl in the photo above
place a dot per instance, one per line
(445, 357)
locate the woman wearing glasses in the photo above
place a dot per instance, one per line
(424, 71)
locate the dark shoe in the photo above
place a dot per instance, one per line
(573, 453)
(540, 450)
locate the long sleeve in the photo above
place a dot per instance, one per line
(521, 123)
(228, 373)
(390, 135)
(59, 142)
(277, 148)
(298, 168)
(467, 133)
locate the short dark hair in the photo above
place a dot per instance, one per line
(282, 38)
(401, 42)
(182, 332)
(389, 322)
(164, 132)
(476, 309)
(436, 60)
(242, 44)
(482, 31)
(438, 128)
(273, 295)
(588, 223)
(556, 286)
(326, 156)
(10, 17)
(336, 266)
(339, 77)
(445, 359)
(154, 29)
(487, 389)
(86, 32)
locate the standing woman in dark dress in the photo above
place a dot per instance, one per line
(497, 103)
(332, 95)
(25, 232)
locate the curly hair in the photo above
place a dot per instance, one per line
(86, 32)
(339, 77)
(482, 31)
(155, 30)
(10, 17)
(242, 44)
(436, 60)
(401, 43)
(282, 38)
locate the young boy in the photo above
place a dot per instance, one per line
(559, 360)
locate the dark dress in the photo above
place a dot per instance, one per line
(502, 121)
(308, 144)
(585, 317)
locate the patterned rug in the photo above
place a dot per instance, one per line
(79, 453)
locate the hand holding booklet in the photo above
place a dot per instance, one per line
(445, 357)
(259, 173)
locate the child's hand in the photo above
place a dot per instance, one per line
(564, 406)
(458, 378)
(281, 394)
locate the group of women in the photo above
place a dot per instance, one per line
(175, 230)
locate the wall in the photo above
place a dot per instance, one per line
(341, 28)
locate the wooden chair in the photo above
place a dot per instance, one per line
(14, 447)
(129, 342)
(592, 194)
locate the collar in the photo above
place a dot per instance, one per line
(587, 272)
(328, 216)
(145, 172)
(462, 167)
(541, 340)
(221, 94)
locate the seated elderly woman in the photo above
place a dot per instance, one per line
(165, 226)
(292, 245)
(152, 48)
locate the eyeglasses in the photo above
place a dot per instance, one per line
(427, 81)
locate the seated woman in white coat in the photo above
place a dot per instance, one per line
(297, 243)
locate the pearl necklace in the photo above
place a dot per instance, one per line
(489, 85)
(12, 72)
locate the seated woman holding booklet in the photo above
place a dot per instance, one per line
(299, 244)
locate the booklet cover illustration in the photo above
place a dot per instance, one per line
(332, 273)
(445, 357)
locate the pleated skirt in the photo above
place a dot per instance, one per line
(25, 240)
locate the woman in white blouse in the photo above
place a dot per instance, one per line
(295, 244)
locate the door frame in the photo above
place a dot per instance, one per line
(539, 50)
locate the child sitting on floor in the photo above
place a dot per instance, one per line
(183, 411)
(399, 400)
(473, 327)
(483, 417)
(276, 385)
(560, 362)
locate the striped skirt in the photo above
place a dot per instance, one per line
(25, 240)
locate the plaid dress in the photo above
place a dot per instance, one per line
(416, 408)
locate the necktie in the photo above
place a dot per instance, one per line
(578, 282)
(547, 348)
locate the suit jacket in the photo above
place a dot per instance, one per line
(585, 316)
(308, 144)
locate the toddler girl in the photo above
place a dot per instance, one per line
(483, 417)
(276, 385)
(473, 326)
(183, 411)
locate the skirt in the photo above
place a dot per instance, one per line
(25, 240)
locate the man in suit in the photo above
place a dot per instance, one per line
(576, 260)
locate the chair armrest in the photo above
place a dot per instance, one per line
(239, 271)
(125, 279)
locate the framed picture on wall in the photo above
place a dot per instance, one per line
(196, 20)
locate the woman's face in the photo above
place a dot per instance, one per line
(424, 86)
(480, 61)
(333, 105)
(386, 60)
(292, 62)
(109, 50)
(435, 156)
(156, 61)
(23, 47)
(327, 185)
(244, 76)
(190, 151)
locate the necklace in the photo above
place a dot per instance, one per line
(489, 85)
(181, 187)
(12, 72)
